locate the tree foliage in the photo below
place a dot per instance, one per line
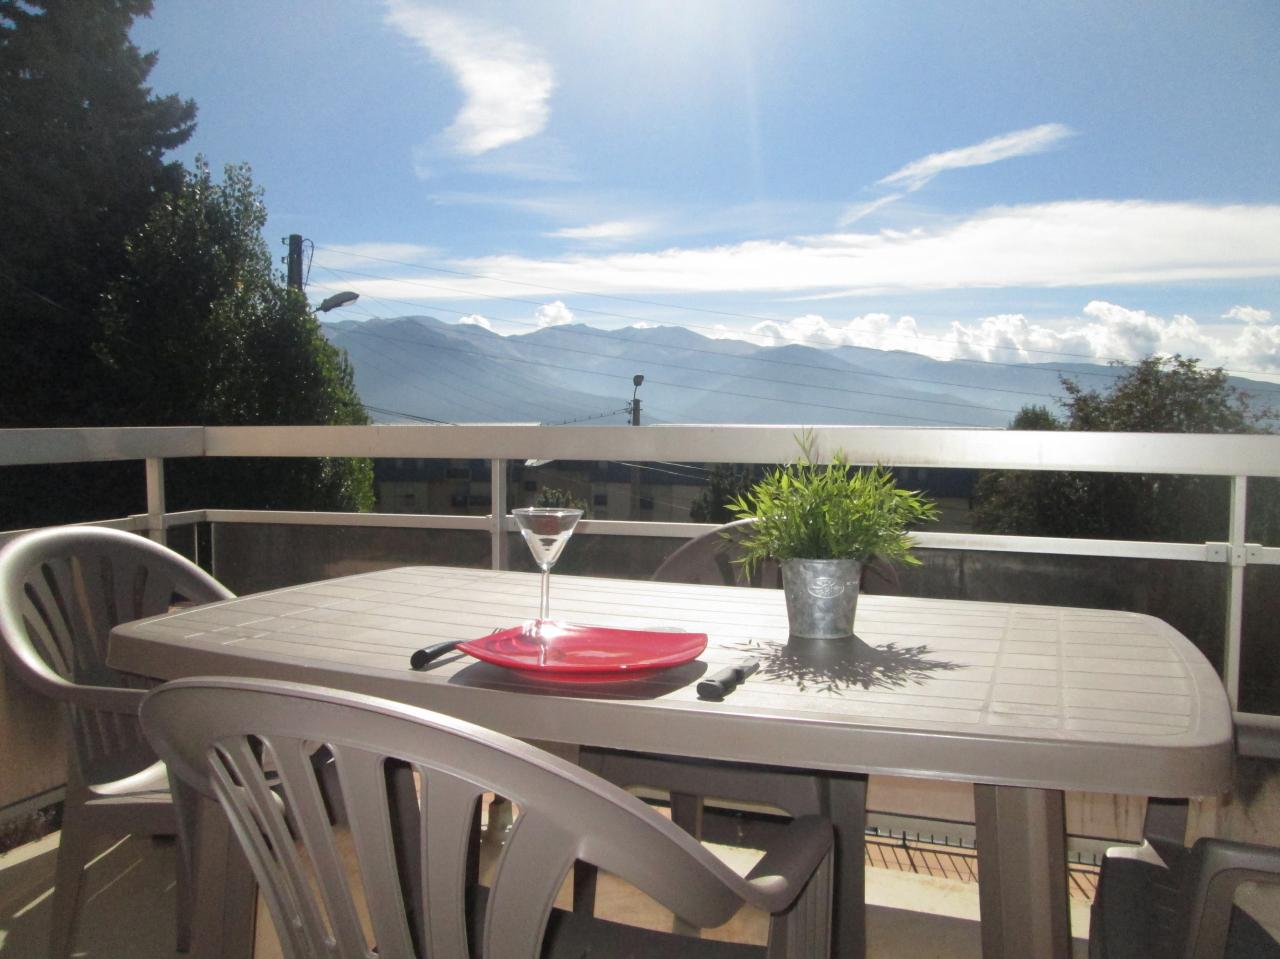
(200, 330)
(1156, 395)
(133, 292)
(725, 483)
(82, 144)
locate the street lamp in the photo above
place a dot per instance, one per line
(636, 381)
(337, 300)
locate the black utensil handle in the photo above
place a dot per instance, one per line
(424, 657)
(727, 680)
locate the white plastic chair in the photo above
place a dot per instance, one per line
(233, 739)
(61, 592)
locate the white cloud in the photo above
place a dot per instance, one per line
(1248, 314)
(1066, 244)
(607, 231)
(1106, 331)
(1257, 345)
(475, 319)
(553, 314)
(1100, 333)
(506, 84)
(873, 330)
(1036, 139)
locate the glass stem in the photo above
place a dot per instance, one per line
(544, 605)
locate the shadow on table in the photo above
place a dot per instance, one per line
(833, 666)
(650, 684)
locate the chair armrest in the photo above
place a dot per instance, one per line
(111, 699)
(789, 862)
(1215, 869)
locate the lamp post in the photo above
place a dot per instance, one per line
(635, 470)
(636, 381)
(337, 300)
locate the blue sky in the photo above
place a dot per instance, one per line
(1008, 181)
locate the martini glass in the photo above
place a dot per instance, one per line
(546, 530)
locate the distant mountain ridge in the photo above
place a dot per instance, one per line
(420, 367)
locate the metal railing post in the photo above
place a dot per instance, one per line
(1238, 557)
(155, 499)
(498, 550)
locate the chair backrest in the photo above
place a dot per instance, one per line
(61, 592)
(248, 742)
(713, 559)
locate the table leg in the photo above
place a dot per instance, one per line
(224, 890)
(1022, 872)
(847, 808)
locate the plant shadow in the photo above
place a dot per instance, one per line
(837, 666)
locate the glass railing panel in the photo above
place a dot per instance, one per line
(1260, 641)
(622, 557)
(1190, 596)
(251, 557)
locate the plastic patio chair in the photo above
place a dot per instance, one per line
(225, 736)
(61, 592)
(712, 559)
(1161, 900)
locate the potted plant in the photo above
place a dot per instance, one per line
(823, 523)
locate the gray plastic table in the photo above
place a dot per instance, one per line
(1022, 701)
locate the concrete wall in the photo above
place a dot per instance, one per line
(32, 760)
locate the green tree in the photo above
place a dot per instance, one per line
(726, 483)
(82, 144)
(1156, 395)
(200, 330)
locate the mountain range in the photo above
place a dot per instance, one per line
(419, 368)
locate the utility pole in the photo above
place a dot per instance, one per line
(635, 470)
(294, 260)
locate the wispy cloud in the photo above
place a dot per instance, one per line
(1077, 243)
(505, 82)
(1036, 139)
(608, 231)
(859, 211)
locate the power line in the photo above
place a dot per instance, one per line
(408, 416)
(597, 416)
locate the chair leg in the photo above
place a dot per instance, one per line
(184, 891)
(73, 852)
(186, 806)
(804, 932)
(686, 812)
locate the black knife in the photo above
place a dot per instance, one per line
(727, 680)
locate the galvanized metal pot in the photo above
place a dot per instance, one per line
(822, 596)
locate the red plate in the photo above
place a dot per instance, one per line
(587, 650)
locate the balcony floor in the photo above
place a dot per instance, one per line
(131, 900)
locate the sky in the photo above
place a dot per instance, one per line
(1006, 181)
